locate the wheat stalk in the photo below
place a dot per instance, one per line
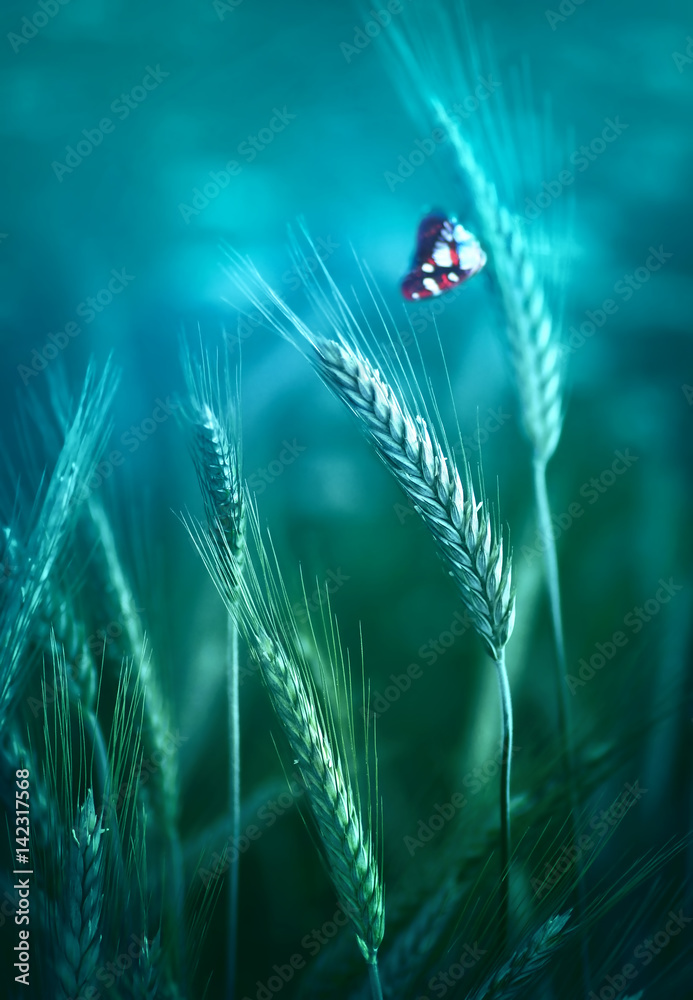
(215, 448)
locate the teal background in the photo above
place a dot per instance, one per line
(334, 508)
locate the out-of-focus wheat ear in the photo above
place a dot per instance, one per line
(156, 722)
(212, 416)
(53, 517)
(144, 700)
(503, 151)
(78, 925)
(147, 974)
(527, 962)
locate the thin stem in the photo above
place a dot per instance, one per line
(374, 980)
(507, 741)
(548, 545)
(234, 799)
(564, 722)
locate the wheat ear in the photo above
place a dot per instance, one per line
(526, 963)
(411, 451)
(461, 527)
(79, 929)
(352, 864)
(318, 743)
(85, 434)
(215, 448)
(536, 354)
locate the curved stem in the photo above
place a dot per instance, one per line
(552, 582)
(374, 980)
(564, 720)
(507, 749)
(234, 800)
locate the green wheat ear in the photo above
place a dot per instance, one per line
(322, 746)
(211, 418)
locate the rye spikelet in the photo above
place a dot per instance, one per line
(347, 846)
(318, 744)
(409, 448)
(532, 335)
(526, 963)
(53, 517)
(216, 452)
(78, 928)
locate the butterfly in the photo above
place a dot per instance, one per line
(446, 255)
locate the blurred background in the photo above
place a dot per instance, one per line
(225, 122)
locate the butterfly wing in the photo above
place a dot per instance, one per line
(446, 255)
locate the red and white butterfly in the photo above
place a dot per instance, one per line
(446, 255)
